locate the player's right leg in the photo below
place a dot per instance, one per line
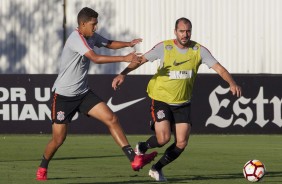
(161, 118)
(58, 137)
(62, 110)
(162, 136)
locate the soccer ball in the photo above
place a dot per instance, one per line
(254, 170)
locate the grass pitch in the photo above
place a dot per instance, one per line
(89, 159)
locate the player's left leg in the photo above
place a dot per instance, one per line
(182, 132)
(162, 118)
(104, 114)
(94, 107)
(181, 128)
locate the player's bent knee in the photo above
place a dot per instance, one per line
(163, 141)
(112, 121)
(182, 145)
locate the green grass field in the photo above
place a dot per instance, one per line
(85, 159)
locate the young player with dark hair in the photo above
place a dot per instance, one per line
(71, 93)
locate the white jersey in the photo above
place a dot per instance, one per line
(72, 78)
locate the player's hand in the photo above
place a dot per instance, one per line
(131, 57)
(117, 81)
(135, 41)
(138, 59)
(236, 90)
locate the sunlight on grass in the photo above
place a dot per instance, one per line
(212, 159)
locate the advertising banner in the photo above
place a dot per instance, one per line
(25, 105)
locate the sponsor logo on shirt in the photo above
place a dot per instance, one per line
(183, 74)
(180, 63)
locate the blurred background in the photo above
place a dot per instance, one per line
(244, 35)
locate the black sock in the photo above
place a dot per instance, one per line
(170, 155)
(152, 142)
(44, 162)
(170, 148)
(129, 152)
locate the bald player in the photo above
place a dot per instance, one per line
(170, 90)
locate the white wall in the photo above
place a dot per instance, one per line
(244, 35)
(30, 36)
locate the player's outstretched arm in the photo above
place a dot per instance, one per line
(119, 44)
(101, 59)
(234, 88)
(118, 80)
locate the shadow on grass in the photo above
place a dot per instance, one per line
(119, 182)
(230, 176)
(191, 178)
(95, 157)
(67, 158)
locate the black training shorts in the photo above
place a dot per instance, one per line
(175, 114)
(63, 108)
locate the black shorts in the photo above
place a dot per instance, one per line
(174, 114)
(63, 108)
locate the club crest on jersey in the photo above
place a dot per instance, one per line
(160, 114)
(60, 115)
(168, 47)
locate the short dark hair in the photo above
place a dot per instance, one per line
(86, 14)
(185, 20)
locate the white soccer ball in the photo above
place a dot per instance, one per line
(254, 170)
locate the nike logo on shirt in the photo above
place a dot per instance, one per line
(179, 63)
(121, 106)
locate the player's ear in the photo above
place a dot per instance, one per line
(82, 23)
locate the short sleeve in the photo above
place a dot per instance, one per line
(157, 52)
(207, 57)
(100, 41)
(77, 43)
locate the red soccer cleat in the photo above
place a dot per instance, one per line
(141, 160)
(41, 174)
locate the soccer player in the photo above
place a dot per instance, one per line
(171, 91)
(71, 93)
